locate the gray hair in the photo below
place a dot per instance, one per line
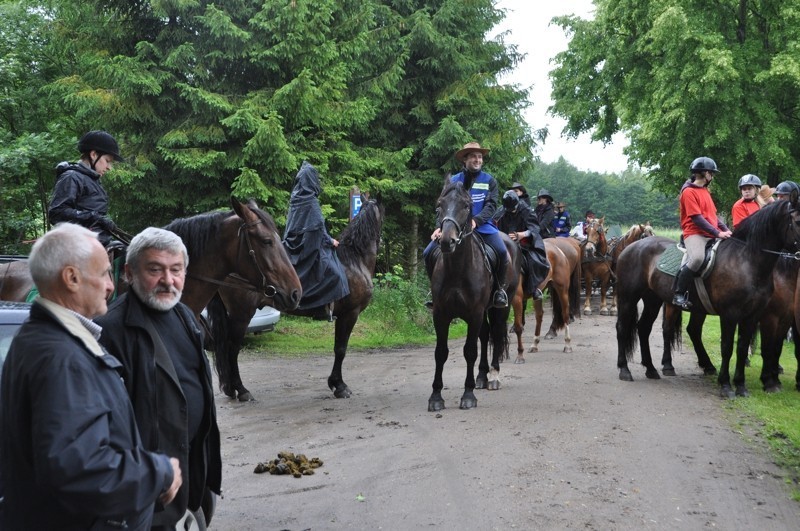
(158, 239)
(65, 245)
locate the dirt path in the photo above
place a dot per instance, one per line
(563, 445)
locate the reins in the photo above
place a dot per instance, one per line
(461, 229)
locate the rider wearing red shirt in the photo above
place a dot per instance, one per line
(699, 223)
(749, 186)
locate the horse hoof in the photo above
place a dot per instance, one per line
(742, 391)
(480, 383)
(468, 403)
(726, 392)
(625, 375)
(587, 311)
(550, 335)
(435, 405)
(519, 361)
(567, 350)
(710, 371)
(246, 397)
(342, 392)
(230, 392)
(773, 388)
(652, 374)
(604, 312)
(493, 385)
(668, 371)
(612, 312)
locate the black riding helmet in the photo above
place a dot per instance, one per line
(786, 187)
(510, 201)
(101, 142)
(701, 164)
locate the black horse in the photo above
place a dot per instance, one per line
(461, 286)
(739, 288)
(231, 310)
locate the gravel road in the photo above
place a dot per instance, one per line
(564, 444)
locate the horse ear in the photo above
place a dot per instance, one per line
(238, 207)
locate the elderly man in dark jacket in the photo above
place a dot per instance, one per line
(71, 453)
(166, 372)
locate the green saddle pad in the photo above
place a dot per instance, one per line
(670, 260)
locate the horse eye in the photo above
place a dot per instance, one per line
(267, 241)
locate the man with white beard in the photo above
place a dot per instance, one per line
(166, 373)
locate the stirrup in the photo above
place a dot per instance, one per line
(537, 294)
(681, 300)
(500, 299)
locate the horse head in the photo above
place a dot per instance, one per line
(595, 242)
(262, 257)
(454, 212)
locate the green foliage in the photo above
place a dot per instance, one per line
(685, 79)
(623, 199)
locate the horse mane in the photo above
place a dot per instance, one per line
(358, 236)
(197, 231)
(757, 229)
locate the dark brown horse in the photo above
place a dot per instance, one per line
(617, 245)
(244, 241)
(595, 263)
(461, 287)
(777, 320)
(735, 288)
(232, 309)
(558, 280)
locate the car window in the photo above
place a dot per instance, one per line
(6, 335)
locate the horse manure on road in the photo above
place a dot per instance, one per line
(289, 463)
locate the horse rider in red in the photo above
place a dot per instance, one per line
(699, 223)
(749, 186)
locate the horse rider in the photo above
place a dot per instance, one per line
(544, 213)
(699, 224)
(78, 197)
(749, 186)
(521, 226)
(522, 193)
(784, 190)
(562, 224)
(482, 187)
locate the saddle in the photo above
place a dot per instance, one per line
(489, 259)
(670, 260)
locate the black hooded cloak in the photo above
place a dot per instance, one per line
(309, 245)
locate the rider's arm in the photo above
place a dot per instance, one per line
(703, 224)
(722, 226)
(489, 205)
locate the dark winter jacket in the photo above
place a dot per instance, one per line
(78, 197)
(544, 215)
(159, 402)
(71, 453)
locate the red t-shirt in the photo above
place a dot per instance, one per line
(697, 200)
(741, 209)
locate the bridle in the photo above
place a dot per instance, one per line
(268, 290)
(462, 229)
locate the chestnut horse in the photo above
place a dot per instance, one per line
(461, 287)
(244, 241)
(736, 290)
(231, 310)
(596, 263)
(558, 280)
(572, 251)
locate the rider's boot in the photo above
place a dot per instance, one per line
(681, 288)
(500, 297)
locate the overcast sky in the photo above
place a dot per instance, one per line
(530, 29)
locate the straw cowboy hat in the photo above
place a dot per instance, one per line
(561, 204)
(468, 148)
(765, 195)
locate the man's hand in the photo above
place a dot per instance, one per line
(105, 223)
(436, 234)
(177, 480)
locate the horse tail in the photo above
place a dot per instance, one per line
(575, 290)
(498, 319)
(217, 316)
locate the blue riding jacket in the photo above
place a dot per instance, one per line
(484, 201)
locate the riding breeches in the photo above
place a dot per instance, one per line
(695, 251)
(496, 242)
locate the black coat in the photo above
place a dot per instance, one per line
(544, 215)
(78, 197)
(533, 251)
(151, 381)
(309, 245)
(71, 453)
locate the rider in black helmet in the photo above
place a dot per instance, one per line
(521, 225)
(784, 190)
(78, 196)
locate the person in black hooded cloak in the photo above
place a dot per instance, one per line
(311, 249)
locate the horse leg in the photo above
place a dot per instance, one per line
(771, 345)
(519, 325)
(468, 400)
(483, 365)
(497, 320)
(539, 309)
(344, 327)
(603, 292)
(235, 341)
(442, 326)
(643, 329)
(695, 331)
(588, 280)
(727, 330)
(671, 329)
(746, 332)
(626, 335)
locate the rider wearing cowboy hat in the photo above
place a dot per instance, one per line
(483, 190)
(544, 213)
